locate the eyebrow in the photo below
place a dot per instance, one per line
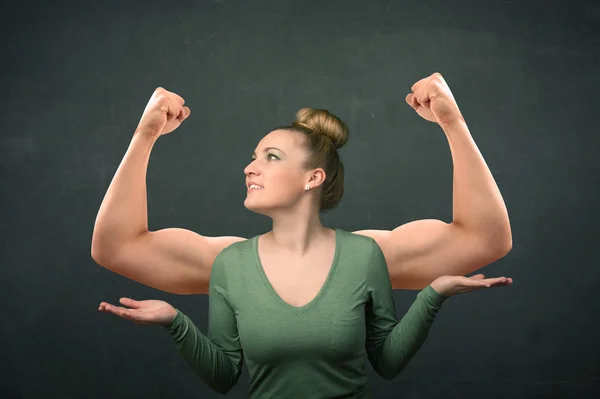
(267, 149)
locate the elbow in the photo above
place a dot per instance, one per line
(101, 257)
(98, 251)
(389, 373)
(506, 248)
(388, 376)
(96, 254)
(503, 245)
(105, 258)
(223, 389)
(498, 248)
(387, 370)
(504, 239)
(497, 245)
(493, 253)
(103, 251)
(224, 385)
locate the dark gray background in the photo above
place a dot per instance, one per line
(75, 78)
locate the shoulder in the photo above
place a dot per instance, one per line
(359, 247)
(363, 242)
(237, 253)
(362, 254)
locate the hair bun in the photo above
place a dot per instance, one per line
(321, 121)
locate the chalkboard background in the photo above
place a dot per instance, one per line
(76, 76)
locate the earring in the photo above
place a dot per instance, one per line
(307, 187)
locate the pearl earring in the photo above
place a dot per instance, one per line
(307, 187)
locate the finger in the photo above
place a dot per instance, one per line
(177, 97)
(495, 280)
(174, 107)
(502, 283)
(477, 276)
(410, 99)
(127, 314)
(422, 97)
(419, 83)
(130, 303)
(476, 283)
(183, 115)
(107, 307)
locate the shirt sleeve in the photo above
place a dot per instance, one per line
(390, 343)
(217, 357)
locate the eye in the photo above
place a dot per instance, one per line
(268, 157)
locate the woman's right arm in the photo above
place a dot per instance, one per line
(216, 357)
(174, 260)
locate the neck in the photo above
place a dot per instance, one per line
(297, 232)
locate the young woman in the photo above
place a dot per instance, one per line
(302, 303)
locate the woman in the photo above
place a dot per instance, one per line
(301, 301)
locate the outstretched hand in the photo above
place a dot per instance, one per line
(142, 312)
(452, 285)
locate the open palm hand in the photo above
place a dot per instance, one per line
(142, 312)
(452, 285)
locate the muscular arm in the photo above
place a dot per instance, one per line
(173, 260)
(419, 252)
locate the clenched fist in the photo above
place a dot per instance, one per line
(432, 99)
(164, 113)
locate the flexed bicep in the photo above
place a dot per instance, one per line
(174, 260)
(421, 251)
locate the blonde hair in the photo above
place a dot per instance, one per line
(325, 133)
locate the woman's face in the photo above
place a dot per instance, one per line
(277, 168)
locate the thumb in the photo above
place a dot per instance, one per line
(183, 114)
(130, 303)
(410, 99)
(478, 277)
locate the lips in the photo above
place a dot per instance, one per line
(251, 183)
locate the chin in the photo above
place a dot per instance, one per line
(264, 207)
(251, 205)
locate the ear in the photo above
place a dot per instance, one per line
(316, 178)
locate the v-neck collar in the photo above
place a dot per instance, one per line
(322, 291)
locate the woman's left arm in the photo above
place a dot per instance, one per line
(418, 252)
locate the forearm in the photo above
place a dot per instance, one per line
(478, 206)
(204, 357)
(407, 337)
(123, 214)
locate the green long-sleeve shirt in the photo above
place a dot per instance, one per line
(318, 350)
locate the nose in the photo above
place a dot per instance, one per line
(251, 169)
